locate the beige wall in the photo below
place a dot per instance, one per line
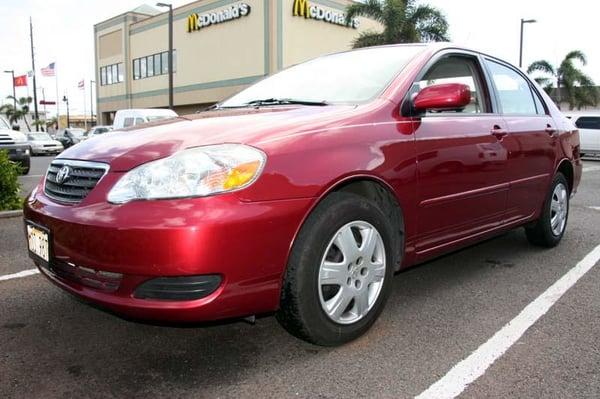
(229, 50)
(110, 44)
(304, 39)
(217, 61)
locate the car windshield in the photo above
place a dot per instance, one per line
(3, 124)
(38, 136)
(77, 132)
(350, 77)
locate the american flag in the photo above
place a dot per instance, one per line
(49, 70)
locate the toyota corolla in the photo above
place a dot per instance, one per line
(302, 195)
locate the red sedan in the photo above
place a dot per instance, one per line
(303, 194)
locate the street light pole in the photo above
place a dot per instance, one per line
(523, 22)
(66, 100)
(12, 72)
(170, 51)
(92, 82)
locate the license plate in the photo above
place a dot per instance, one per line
(38, 241)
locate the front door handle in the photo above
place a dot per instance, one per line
(550, 130)
(498, 132)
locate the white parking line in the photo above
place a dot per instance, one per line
(24, 273)
(596, 208)
(591, 169)
(475, 365)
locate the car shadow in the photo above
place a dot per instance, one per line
(75, 350)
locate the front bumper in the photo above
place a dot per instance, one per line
(245, 243)
(19, 153)
(47, 150)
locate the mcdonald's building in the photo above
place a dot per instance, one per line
(219, 48)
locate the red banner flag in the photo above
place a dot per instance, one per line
(21, 80)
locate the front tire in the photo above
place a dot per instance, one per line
(339, 272)
(550, 227)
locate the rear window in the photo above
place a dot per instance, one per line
(588, 122)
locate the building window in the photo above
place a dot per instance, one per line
(165, 62)
(157, 67)
(111, 74)
(153, 65)
(150, 66)
(143, 68)
(136, 69)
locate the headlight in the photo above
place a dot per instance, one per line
(195, 172)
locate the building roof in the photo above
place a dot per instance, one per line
(146, 9)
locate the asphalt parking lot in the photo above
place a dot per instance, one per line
(438, 314)
(39, 164)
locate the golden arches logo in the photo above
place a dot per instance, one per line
(192, 22)
(301, 8)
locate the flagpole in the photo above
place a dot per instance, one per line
(35, 105)
(57, 98)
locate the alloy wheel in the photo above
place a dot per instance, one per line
(352, 272)
(558, 209)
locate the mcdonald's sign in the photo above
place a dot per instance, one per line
(196, 22)
(303, 8)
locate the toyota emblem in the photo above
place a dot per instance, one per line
(63, 174)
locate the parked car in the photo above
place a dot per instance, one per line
(16, 145)
(42, 143)
(303, 194)
(97, 131)
(131, 117)
(589, 131)
(70, 136)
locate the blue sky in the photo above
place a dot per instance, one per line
(63, 33)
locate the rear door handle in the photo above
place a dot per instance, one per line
(498, 132)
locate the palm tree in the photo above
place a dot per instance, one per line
(579, 87)
(403, 22)
(20, 112)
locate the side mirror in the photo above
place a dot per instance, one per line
(443, 97)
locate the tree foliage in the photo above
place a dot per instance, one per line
(403, 22)
(579, 87)
(20, 112)
(9, 184)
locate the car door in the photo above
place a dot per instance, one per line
(461, 159)
(589, 133)
(532, 140)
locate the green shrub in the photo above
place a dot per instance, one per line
(9, 184)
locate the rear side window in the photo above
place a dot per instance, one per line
(139, 120)
(457, 69)
(588, 122)
(128, 122)
(514, 92)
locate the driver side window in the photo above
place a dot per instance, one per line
(457, 69)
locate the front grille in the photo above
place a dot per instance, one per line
(6, 139)
(97, 279)
(81, 178)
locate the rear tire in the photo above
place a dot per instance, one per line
(339, 273)
(550, 227)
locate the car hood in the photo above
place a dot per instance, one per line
(128, 148)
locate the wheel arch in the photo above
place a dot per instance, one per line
(375, 189)
(566, 168)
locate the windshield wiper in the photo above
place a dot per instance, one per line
(285, 101)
